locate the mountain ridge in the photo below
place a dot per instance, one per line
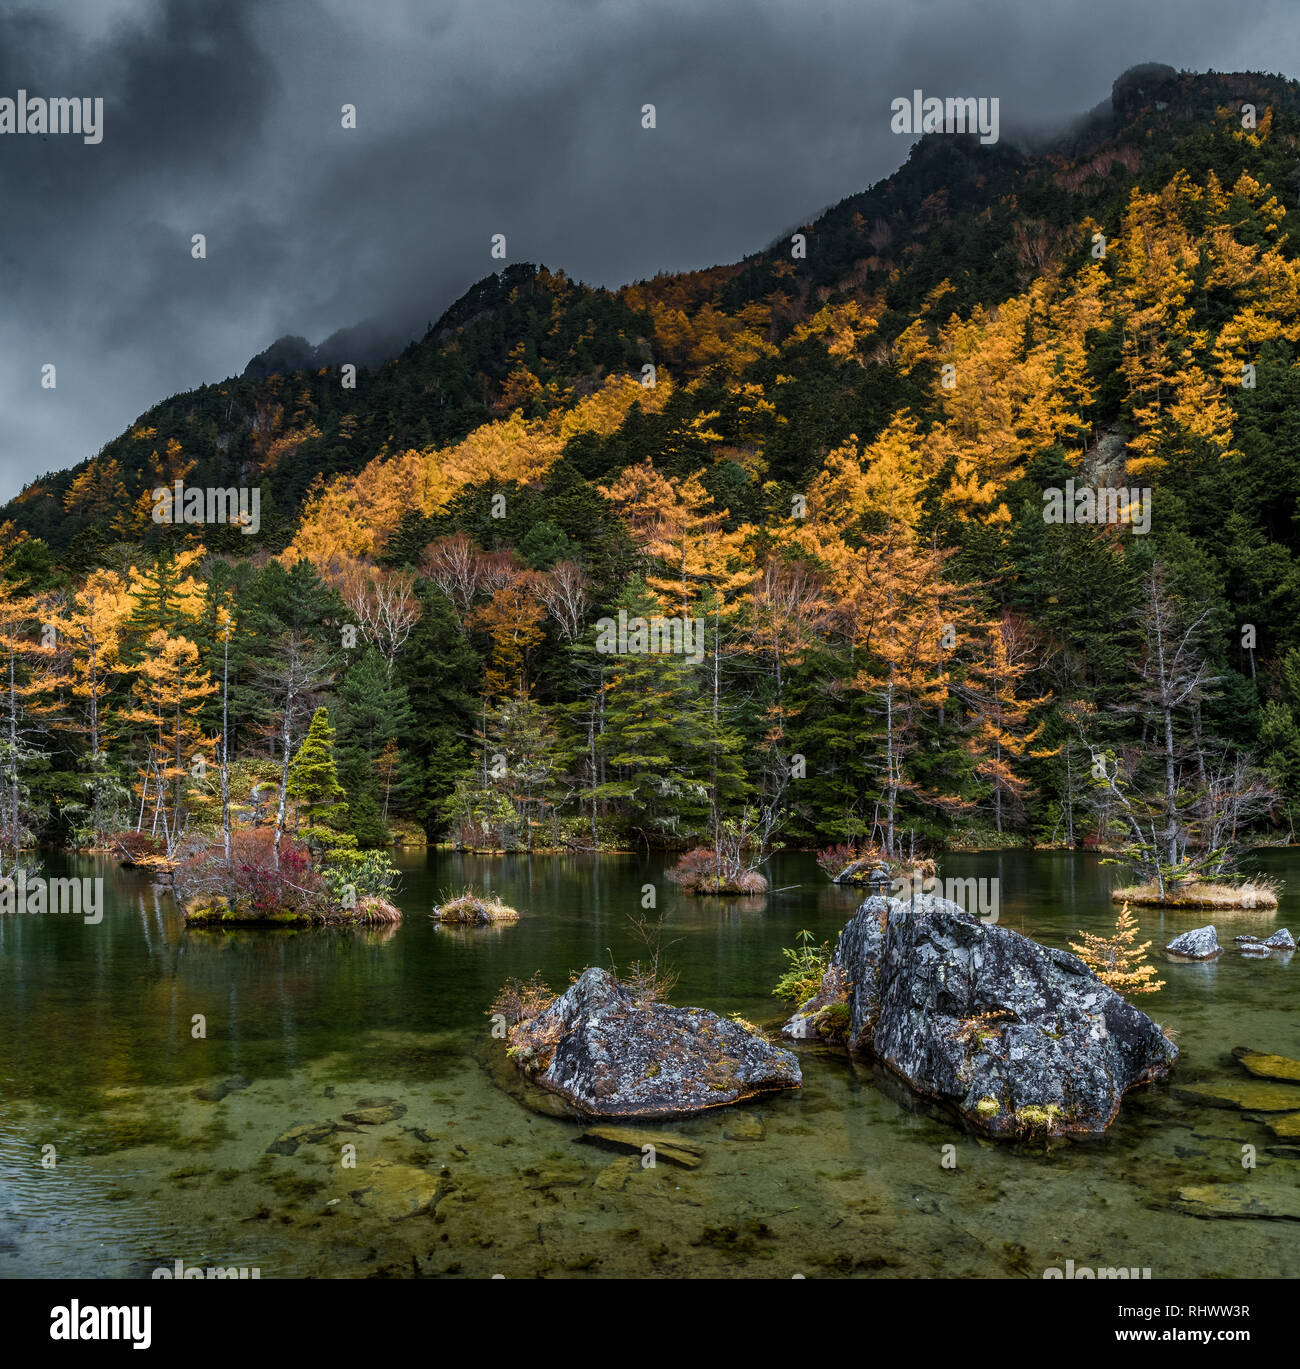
(954, 212)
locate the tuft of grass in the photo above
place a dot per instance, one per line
(473, 908)
(373, 911)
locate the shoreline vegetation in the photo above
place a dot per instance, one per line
(1249, 896)
(370, 911)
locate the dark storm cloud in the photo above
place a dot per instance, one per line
(474, 118)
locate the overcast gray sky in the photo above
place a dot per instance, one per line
(474, 117)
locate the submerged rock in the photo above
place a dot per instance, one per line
(395, 1191)
(1251, 1095)
(376, 1114)
(1266, 1066)
(1286, 1127)
(309, 1133)
(666, 1145)
(616, 1177)
(611, 1055)
(745, 1128)
(1201, 943)
(214, 1093)
(1019, 1037)
(1238, 1200)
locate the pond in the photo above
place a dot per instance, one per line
(100, 1059)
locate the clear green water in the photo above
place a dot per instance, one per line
(844, 1178)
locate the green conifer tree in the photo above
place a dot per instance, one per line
(314, 787)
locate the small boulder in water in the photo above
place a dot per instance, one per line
(610, 1053)
(1201, 943)
(1281, 940)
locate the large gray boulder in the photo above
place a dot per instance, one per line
(1201, 943)
(611, 1054)
(1019, 1037)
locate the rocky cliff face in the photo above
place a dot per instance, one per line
(612, 1055)
(1018, 1037)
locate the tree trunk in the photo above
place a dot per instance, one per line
(225, 747)
(284, 770)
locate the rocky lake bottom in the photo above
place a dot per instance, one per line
(225, 1151)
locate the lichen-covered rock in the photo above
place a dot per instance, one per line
(1201, 943)
(1019, 1037)
(855, 872)
(611, 1055)
(1281, 940)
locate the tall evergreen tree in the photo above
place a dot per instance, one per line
(314, 787)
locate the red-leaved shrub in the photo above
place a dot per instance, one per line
(700, 871)
(836, 858)
(253, 883)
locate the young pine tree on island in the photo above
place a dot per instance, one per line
(314, 787)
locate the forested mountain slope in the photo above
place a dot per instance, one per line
(836, 455)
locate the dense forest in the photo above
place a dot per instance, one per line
(834, 464)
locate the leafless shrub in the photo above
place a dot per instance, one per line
(521, 1000)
